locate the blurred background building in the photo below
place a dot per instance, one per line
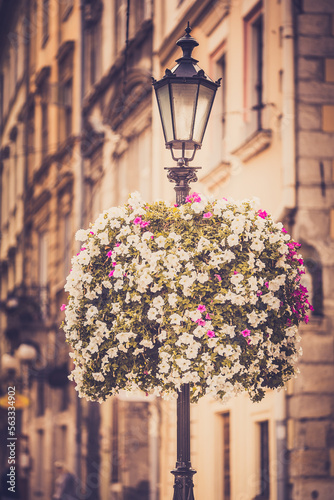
(80, 129)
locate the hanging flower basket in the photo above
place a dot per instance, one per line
(207, 294)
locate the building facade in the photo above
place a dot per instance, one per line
(80, 130)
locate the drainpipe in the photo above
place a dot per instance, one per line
(80, 222)
(288, 133)
(289, 202)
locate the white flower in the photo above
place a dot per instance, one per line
(236, 278)
(81, 235)
(112, 352)
(257, 245)
(99, 377)
(233, 240)
(147, 343)
(175, 319)
(158, 302)
(172, 299)
(160, 241)
(183, 364)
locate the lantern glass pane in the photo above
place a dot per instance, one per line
(184, 101)
(205, 98)
(165, 110)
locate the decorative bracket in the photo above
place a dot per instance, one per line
(182, 176)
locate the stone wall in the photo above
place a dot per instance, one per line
(310, 401)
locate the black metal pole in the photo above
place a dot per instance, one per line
(183, 472)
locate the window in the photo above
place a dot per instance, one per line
(40, 405)
(42, 259)
(93, 49)
(68, 107)
(61, 444)
(66, 7)
(43, 273)
(67, 244)
(32, 33)
(45, 117)
(115, 443)
(1, 100)
(66, 92)
(253, 68)
(64, 398)
(45, 22)
(264, 477)
(120, 31)
(226, 456)
(31, 141)
(39, 477)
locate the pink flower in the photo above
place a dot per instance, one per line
(208, 316)
(152, 237)
(175, 205)
(145, 223)
(262, 213)
(284, 230)
(91, 232)
(207, 215)
(218, 277)
(266, 284)
(201, 308)
(200, 322)
(194, 197)
(63, 307)
(109, 254)
(245, 333)
(111, 274)
(137, 220)
(210, 333)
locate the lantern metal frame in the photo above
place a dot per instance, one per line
(186, 73)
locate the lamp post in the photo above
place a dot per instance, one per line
(185, 97)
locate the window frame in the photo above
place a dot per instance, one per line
(253, 67)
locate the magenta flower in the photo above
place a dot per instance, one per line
(137, 220)
(284, 230)
(207, 215)
(109, 254)
(111, 274)
(145, 223)
(201, 308)
(176, 205)
(63, 307)
(208, 316)
(91, 232)
(218, 277)
(210, 333)
(245, 333)
(262, 213)
(266, 284)
(200, 322)
(194, 197)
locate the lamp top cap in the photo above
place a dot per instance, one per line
(187, 43)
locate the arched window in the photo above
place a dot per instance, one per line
(313, 277)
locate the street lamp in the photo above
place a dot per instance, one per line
(185, 97)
